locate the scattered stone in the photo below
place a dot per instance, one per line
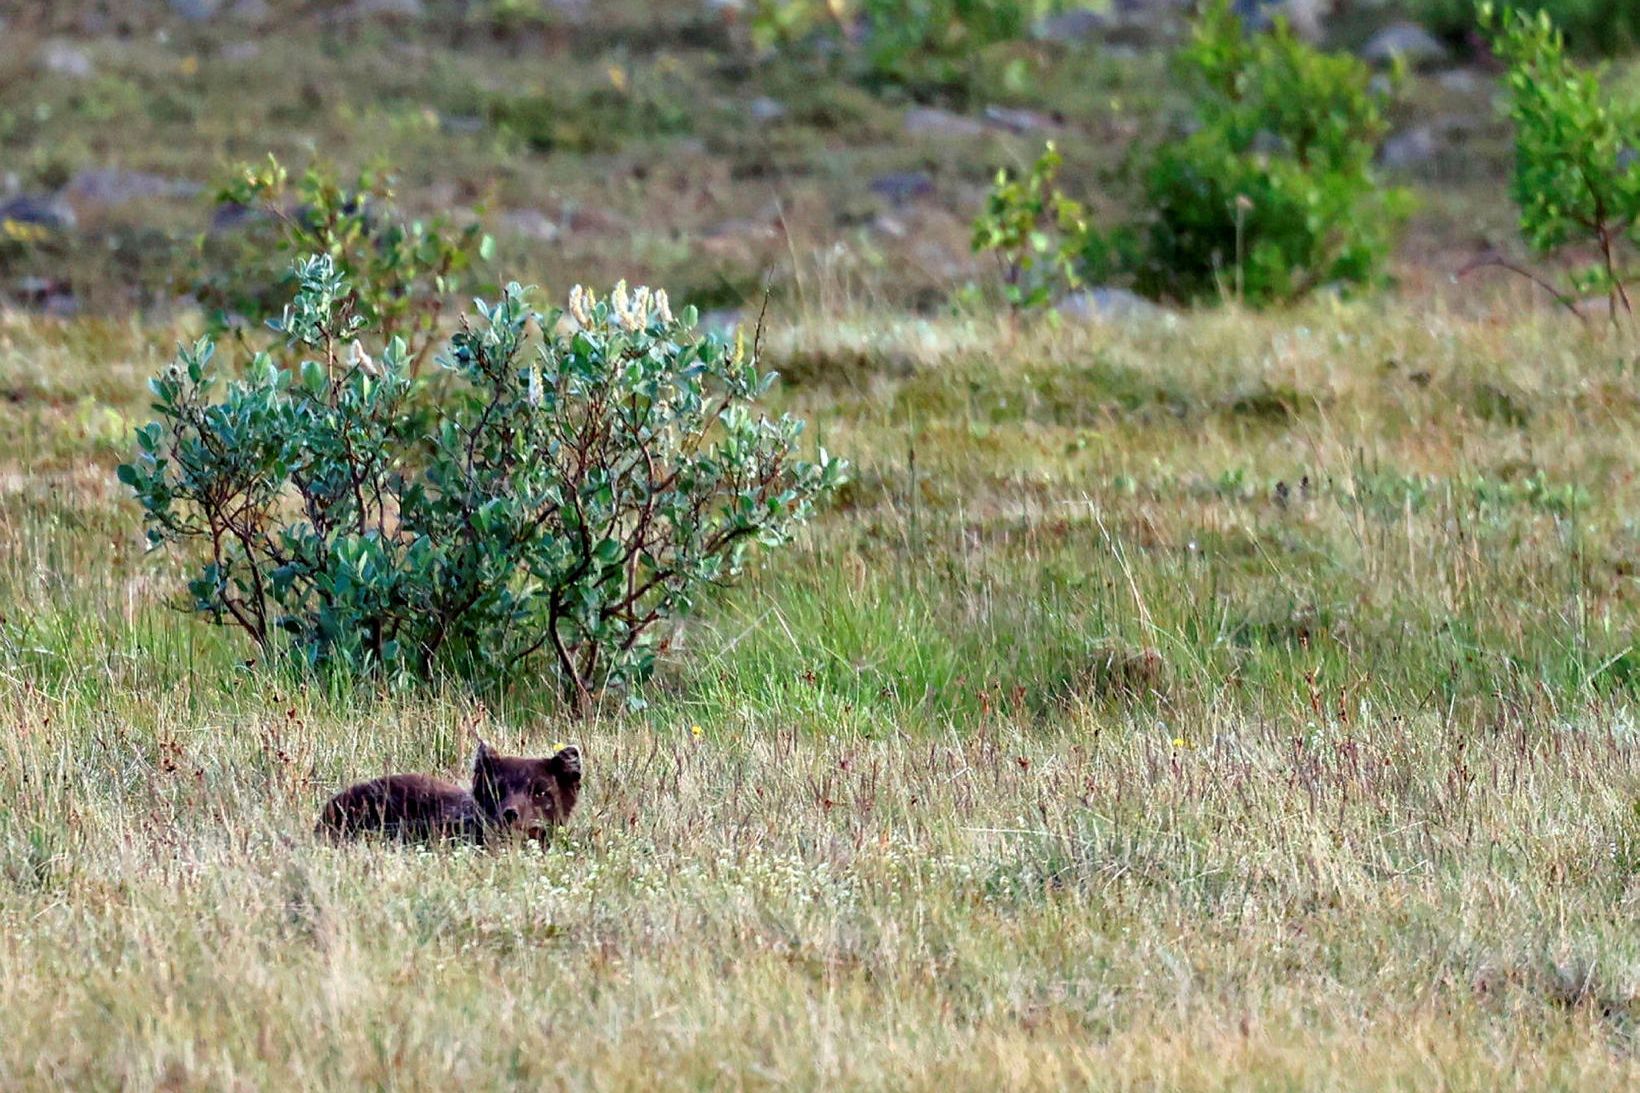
(43, 212)
(723, 322)
(462, 124)
(899, 187)
(395, 9)
(195, 11)
(1307, 17)
(1105, 303)
(576, 11)
(1409, 149)
(1076, 25)
(50, 296)
(1018, 121)
(112, 186)
(529, 224)
(66, 59)
(1408, 41)
(251, 11)
(765, 109)
(929, 121)
(237, 53)
(737, 240)
(1462, 81)
(891, 226)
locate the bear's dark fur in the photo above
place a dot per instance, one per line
(510, 795)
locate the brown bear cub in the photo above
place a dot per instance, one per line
(510, 796)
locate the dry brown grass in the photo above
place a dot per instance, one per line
(999, 780)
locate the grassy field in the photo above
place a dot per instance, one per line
(1192, 700)
(1083, 753)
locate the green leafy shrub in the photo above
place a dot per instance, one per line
(402, 273)
(1576, 178)
(1590, 26)
(1270, 195)
(914, 42)
(1036, 231)
(573, 494)
(596, 120)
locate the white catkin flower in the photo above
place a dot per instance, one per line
(663, 309)
(580, 305)
(534, 394)
(618, 302)
(358, 358)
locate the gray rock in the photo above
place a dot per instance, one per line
(900, 187)
(1410, 149)
(195, 11)
(1307, 17)
(928, 121)
(250, 11)
(723, 322)
(237, 53)
(66, 59)
(1105, 304)
(48, 295)
(765, 109)
(111, 186)
(462, 124)
(1076, 25)
(1462, 81)
(40, 211)
(1407, 40)
(891, 226)
(1018, 121)
(397, 9)
(529, 224)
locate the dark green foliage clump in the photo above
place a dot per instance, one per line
(565, 497)
(401, 272)
(1592, 27)
(1577, 178)
(1270, 195)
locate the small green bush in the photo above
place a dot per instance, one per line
(1036, 231)
(1270, 195)
(402, 273)
(1592, 27)
(590, 121)
(572, 495)
(1576, 178)
(911, 42)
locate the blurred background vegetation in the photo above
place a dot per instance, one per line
(713, 146)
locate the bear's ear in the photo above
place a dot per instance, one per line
(567, 763)
(484, 757)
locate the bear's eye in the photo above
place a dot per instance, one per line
(540, 793)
